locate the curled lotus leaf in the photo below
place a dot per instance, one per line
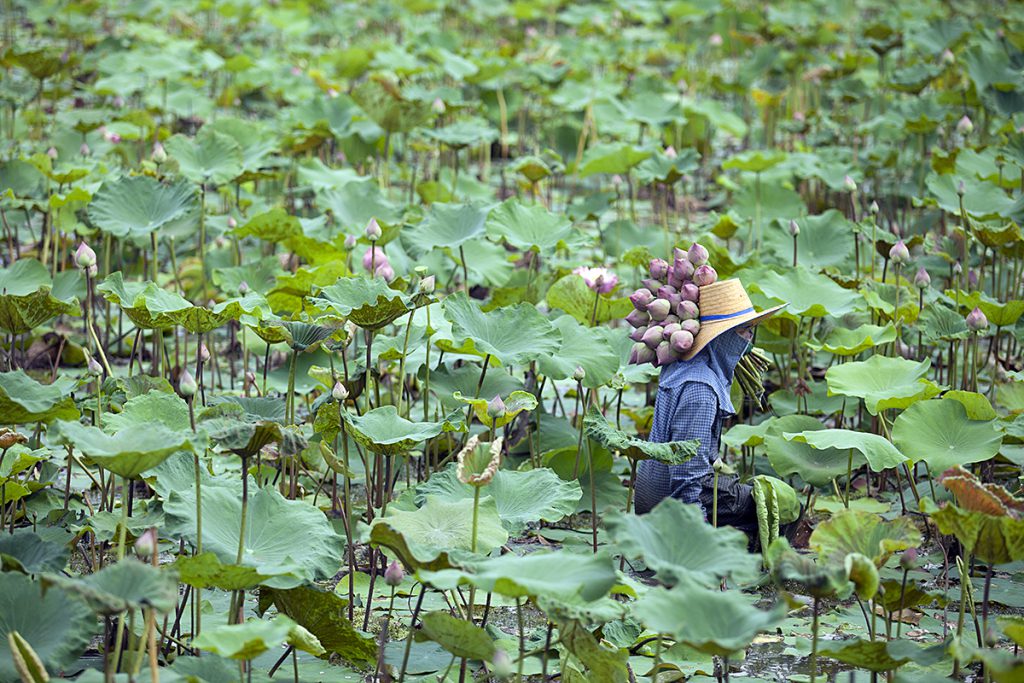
(122, 586)
(820, 579)
(515, 403)
(29, 553)
(877, 451)
(368, 302)
(633, 447)
(478, 461)
(24, 400)
(302, 336)
(130, 451)
(882, 382)
(382, 430)
(856, 531)
(153, 308)
(230, 426)
(843, 341)
(28, 297)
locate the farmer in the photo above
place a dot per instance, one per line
(693, 401)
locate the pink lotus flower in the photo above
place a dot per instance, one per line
(601, 280)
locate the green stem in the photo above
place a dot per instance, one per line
(476, 508)
(814, 640)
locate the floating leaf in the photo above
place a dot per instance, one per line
(251, 639)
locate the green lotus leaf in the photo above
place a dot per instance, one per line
(229, 427)
(872, 655)
(256, 141)
(154, 407)
(458, 636)
(820, 579)
(808, 294)
(125, 585)
(1013, 626)
(816, 466)
(385, 104)
(777, 504)
(863, 573)
(976, 405)
(612, 157)
(209, 157)
(995, 538)
(824, 241)
(670, 453)
(843, 341)
(939, 433)
(464, 133)
(710, 620)
(879, 453)
(449, 226)
(754, 161)
(521, 497)
(938, 323)
(446, 526)
(661, 168)
(275, 225)
(288, 540)
(912, 596)
(254, 637)
(981, 199)
(27, 552)
(515, 403)
(56, 625)
(322, 614)
(414, 556)
(207, 571)
(512, 335)
(136, 206)
(571, 294)
(382, 430)
(25, 401)
(356, 202)
(529, 226)
(153, 308)
(302, 336)
(368, 302)
(674, 540)
(28, 297)
(882, 382)
(445, 382)
(592, 348)
(854, 531)
(129, 452)
(999, 313)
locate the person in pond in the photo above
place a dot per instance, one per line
(693, 401)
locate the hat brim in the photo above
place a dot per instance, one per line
(709, 331)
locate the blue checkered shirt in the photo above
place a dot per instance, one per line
(687, 411)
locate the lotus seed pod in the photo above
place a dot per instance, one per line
(668, 330)
(922, 279)
(659, 268)
(651, 284)
(665, 354)
(687, 310)
(899, 254)
(339, 392)
(640, 298)
(495, 407)
(373, 231)
(849, 184)
(394, 574)
(85, 256)
(976, 320)
(579, 374)
(638, 334)
(653, 336)
(187, 384)
(691, 326)
(690, 292)
(794, 228)
(964, 126)
(659, 309)
(697, 255)
(9, 438)
(159, 153)
(704, 275)
(638, 318)
(681, 341)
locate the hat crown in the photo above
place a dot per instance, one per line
(723, 299)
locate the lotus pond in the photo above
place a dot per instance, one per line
(314, 366)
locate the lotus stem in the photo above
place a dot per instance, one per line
(814, 640)
(522, 640)
(849, 477)
(476, 507)
(412, 627)
(903, 595)
(714, 501)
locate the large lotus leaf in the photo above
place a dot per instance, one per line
(879, 453)
(57, 626)
(124, 585)
(938, 323)
(674, 540)
(154, 407)
(995, 539)
(382, 430)
(255, 140)
(207, 571)
(209, 157)
(136, 206)
(824, 241)
(27, 552)
(820, 579)
(670, 453)
(229, 428)
(385, 104)
(529, 226)
(129, 452)
(288, 540)
(151, 307)
(816, 466)
(356, 202)
(981, 198)
(843, 341)
(446, 526)
(368, 302)
(449, 225)
(612, 157)
(592, 349)
(322, 614)
(521, 497)
(713, 621)
(754, 161)
(446, 382)
(561, 575)
(808, 294)
(856, 531)
(513, 335)
(940, 433)
(458, 636)
(464, 133)
(256, 636)
(515, 403)
(571, 294)
(661, 168)
(973, 494)
(872, 655)
(24, 401)
(882, 382)
(29, 298)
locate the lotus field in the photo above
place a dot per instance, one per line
(330, 339)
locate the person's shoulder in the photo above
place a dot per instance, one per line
(693, 392)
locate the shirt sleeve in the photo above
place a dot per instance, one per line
(695, 417)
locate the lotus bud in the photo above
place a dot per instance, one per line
(374, 258)
(964, 126)
(385, 271)
(691, 326)
(638, 318)
(145, 544)
(899, 254)
(644, 353)
(339, 392)
(976, 320)
(665, 291)
(501, 664)
(204, 353)
(670, 152)
(715, 40)
(350, 242)
(92, 270)
(495, 408)
(794, 228)
(681, 341)
(187, 384)
(665, 354)
(243, 287)
(659, 309)
(873, 208)
(922, 279)
(373, 231)
(908, 559)
(428, 284)
(972, 279)
(687, 310)
(52, 153)
(438, 106)
(849, 184)
(957, 269)
(718, 465)
(670, 319)
(651, 284)
(678, 253)
(159, 153)
(948, 57)
(653, 336)
(674, 280)
(94, 368)
(579, 374)
(84, 150)
(682, 268)
(632, 360)
(638, 334)
(960, 188)
(697, 255)
(659, 268)
(617, 180)
(704, 275)
(640, 298)
(668, 330)
(394, 574)
(85, 256)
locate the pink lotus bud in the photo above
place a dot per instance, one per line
(84, 150)
(659, 268)
(651, 284)
(922, 279)
(697, 255)
(670, 319)
(692, 326)
(976, 320)
(899, 254)
(653, 336)
(690, 292)
(332, 93)
(617, 180)
(243, 287)
(873, 209)
(52, 153)
(394, 574)
(668, 330)
(960, 188)
(187, 384)
(681, 341)
(92, 270)
(159, 155)
(638, 318)
(682, 268)
(428, 284)
(350, 242)
(659, 309)
(644, 354)
(972, 279)
(85, 256)
(670, 152)
(374, 257)
(674, 281)
(232, 223)
(495, 407)
(849, 184)
(204, 353)
(665, 291)
(687, 310)
(373, 231)
(715, 40)
(908, 559)
(964, 126)
(145, 544)
(640, 298)
(638, 334)
(665, 355)
(794, 228)
(94, 368)
(438, 106)
(579, 374)
(296, 71)
(385, 271)
(704, 276)
(948, 57)
(678, 254)
(339, 392)
(957, 268)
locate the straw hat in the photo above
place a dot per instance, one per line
(724, 305)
